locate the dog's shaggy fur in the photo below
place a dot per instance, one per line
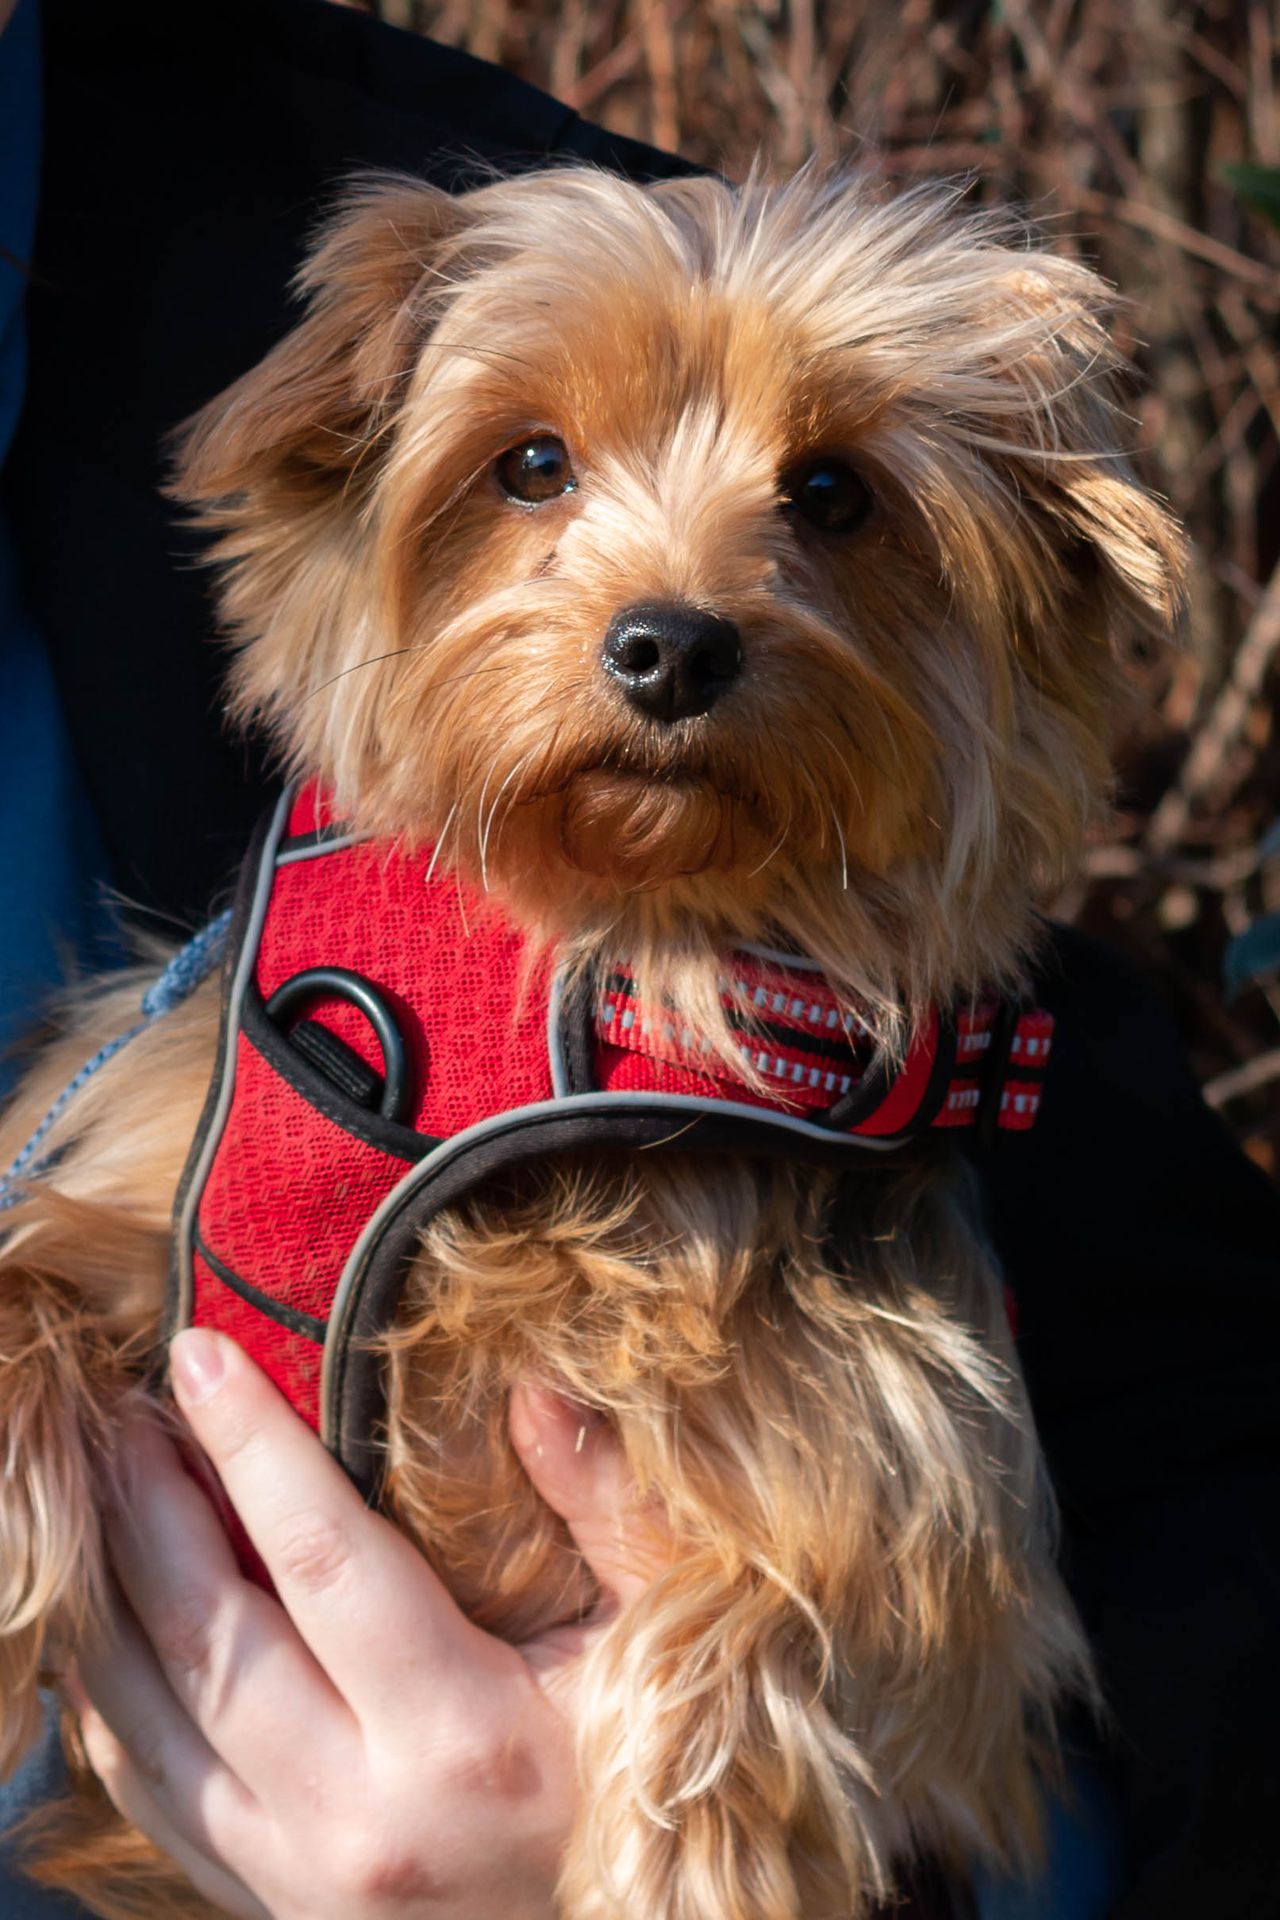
(857, 1649)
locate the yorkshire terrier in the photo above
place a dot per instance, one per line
(679, 573)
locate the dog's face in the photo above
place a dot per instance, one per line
(697, 565)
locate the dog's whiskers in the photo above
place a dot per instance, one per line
(462, 905)
(373, 661)
(438, 848)
(480, 839)
(771, 854)
(455, 500)
(396, 653)
(844, 851)
(437, 686)
(846, 769)
(487, 827)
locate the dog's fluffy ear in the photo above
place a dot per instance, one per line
(281, 466)
(308, 419)
(1132, 552)
(1126, 554)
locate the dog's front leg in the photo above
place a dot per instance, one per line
(718, 1783)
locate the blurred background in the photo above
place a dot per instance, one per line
(1143, 135)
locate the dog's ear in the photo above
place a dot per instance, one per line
(1131, 553)
(309, 419)
(1125, 554)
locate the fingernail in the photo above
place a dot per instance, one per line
(198, 1362)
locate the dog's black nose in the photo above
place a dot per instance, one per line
(672, 661)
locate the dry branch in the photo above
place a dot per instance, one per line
(1207, 766)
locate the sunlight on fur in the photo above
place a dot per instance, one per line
(860, 1639)
(855, 1654)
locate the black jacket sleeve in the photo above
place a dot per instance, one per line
(1144, 1254)
(189, 151)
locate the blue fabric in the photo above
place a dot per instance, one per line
(49, 855)
(38, 1779)
(188, 967)
(1082, 1876)
(52, 907)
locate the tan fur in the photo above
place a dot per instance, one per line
(858, 1648)
(858, 1644)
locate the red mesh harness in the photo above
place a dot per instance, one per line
(388, 1040)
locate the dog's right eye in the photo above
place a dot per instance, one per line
(536, 470)
(829, 494)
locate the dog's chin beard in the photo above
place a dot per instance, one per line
(637, 833)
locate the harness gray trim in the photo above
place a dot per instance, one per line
(246, 959)
(338, 844)
(347, 1293)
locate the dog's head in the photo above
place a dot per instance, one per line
(697, 564)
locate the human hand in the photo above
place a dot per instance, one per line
(354, 1749)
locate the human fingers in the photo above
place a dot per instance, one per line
(365, 1602)
(576, 1463)
(457, 1793)
(127, 1789)
(154, 1763)
(454, 1806)
(227, 1650)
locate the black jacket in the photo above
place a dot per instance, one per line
(185, 161)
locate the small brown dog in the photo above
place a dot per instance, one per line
(872, 440)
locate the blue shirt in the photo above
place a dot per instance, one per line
(50, 860)
(52, 904)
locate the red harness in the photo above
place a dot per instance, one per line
(388, 1041)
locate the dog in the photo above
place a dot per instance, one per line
(679, 572)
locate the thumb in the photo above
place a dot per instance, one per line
(576, 1464)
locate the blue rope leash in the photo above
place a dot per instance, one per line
(188, 967)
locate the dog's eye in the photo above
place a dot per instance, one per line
(830, 495)
(538, 469)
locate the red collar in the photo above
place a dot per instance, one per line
(818, 1062)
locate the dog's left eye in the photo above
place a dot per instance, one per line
(536, 470)
(830, 495)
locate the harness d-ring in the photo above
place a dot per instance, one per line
(291, 999)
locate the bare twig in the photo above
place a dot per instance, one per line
(1249, 1078)
(1218, 875)
(1201, 245)
(1206, 765)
